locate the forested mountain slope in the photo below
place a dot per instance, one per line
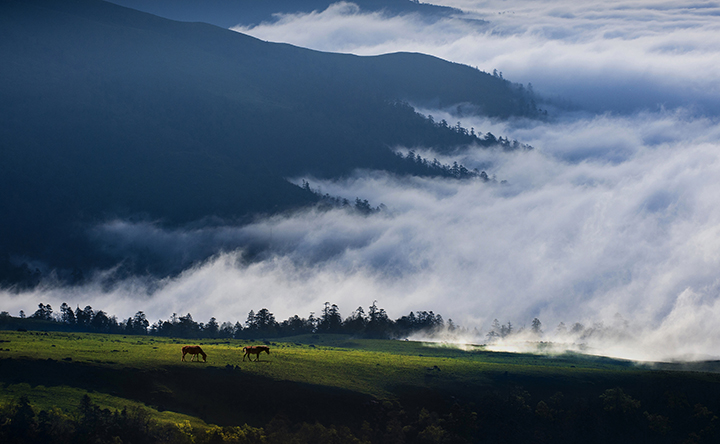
(110, 112)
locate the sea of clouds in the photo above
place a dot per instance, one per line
(612, 220)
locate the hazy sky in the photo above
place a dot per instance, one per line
(615, 211)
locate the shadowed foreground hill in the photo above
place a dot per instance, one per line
(110, 112)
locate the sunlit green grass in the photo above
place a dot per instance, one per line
(373, 367)
(68, 399)
(310, 375)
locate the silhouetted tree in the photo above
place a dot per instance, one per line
(212, 328)
(100, 322)
(140, 323)
(331, 321)
(67, 316)
(238, 330)
(251, 322)
(187, 328)
(356, 322)
(363, 206)
(406, 325)
(295, 325)
(536, 327)
(312, 322)
(506, 330)
(84, 316)
(495, 331)
(226, 330)
(378, 324)
(427, 320)
(43, 313)
(265, 321)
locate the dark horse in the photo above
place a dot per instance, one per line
(256, 350)
(194, 350)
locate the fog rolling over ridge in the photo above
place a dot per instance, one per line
(618, 56)
(614, 211)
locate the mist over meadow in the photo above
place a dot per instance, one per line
(613, 217)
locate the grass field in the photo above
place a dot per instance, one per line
(372, 367)
(314, 377)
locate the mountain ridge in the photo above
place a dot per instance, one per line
(228, 13)
(114, 113)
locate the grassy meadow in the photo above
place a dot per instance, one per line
(371, 367)
(338, 380)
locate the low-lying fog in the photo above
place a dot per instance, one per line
(612, 221)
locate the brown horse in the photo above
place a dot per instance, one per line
(256, 350)
(194, 350)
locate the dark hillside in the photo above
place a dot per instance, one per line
(110, 112)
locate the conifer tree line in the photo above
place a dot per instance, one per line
(375, 323)
(261, 324)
